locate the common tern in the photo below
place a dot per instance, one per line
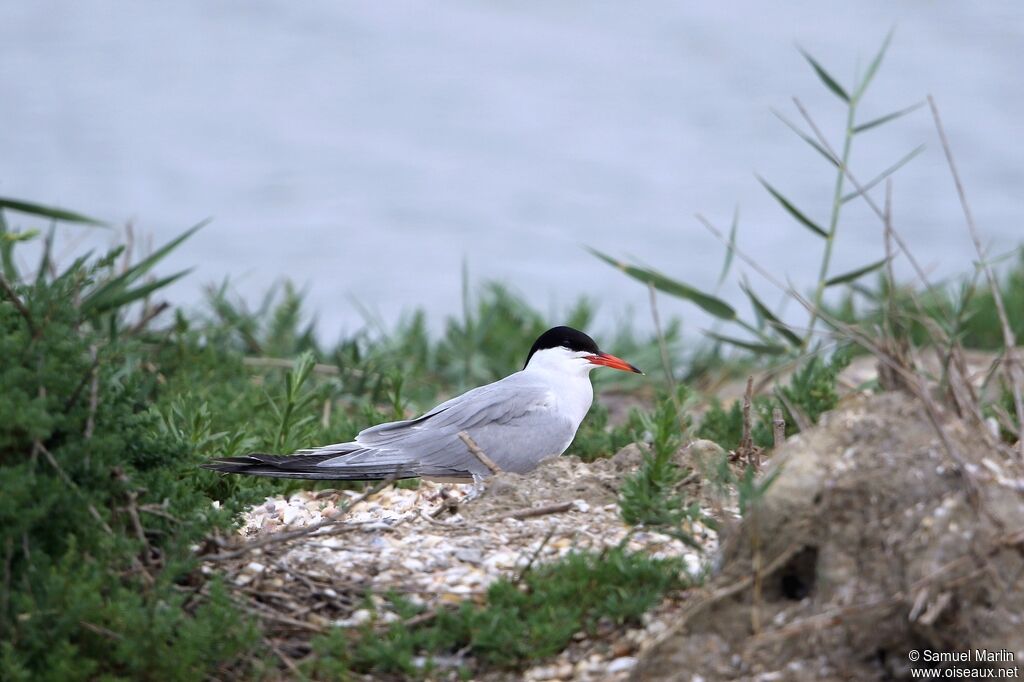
(517, 422)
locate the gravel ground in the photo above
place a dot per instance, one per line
(442, 544)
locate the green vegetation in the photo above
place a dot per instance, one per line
(651, 496)
(811, 392)
(111, 398)
(964, 309)
(521, 621)
(597, 438)
(96, 527)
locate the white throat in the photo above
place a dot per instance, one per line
(567, 373)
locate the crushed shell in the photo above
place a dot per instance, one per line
(418, 543)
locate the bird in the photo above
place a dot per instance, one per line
(509, 425)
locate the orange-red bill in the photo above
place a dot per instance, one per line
(609, 360)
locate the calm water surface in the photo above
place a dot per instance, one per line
(366, 149)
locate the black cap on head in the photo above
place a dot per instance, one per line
(563, 337)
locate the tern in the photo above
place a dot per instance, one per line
(516, 422)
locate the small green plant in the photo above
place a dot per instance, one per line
(725, 425)
(293, 410)
(651, 496)
(276, 328)
(519, 623)
(811, 391)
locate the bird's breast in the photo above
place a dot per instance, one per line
(574, 399)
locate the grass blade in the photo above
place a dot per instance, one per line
(806, 138)
(10, 269)
(855, 274)
(48, 212)
(768, 316)
(129, 296)
(113, 289)
(873, 67)
(710, 304)
(793, 210)
(730, 250)
(869, 294)
(45, 267)
(881, 120)
(826, 77)
(753, 346)
(884, 174)
(145, 264)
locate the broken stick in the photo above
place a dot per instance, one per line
(478, 453)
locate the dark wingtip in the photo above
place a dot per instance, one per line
(301, 467)
(229, 465)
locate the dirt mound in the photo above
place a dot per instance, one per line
(866, 547)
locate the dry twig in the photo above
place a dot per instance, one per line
(100, 630)
(284, 658)
(140, 532)
(148, 314)
(19, 306)
(285, 363)
(38, 446)
(894, 341)
(254, 608)
(94, 392)
(278, 538)
(802, 421)
(73, 398)
(746, 450)
(716, 593)
(325, 416)
(448, 504)
(531, 512)
(533, 557)
(475, 450)
(778, 428)
(1013, 366)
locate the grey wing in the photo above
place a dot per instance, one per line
(517, 444)
(512, 421)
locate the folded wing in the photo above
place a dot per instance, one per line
(512, 420)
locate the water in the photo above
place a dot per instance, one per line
(366, 149)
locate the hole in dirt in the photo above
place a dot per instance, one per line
(796, 578)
